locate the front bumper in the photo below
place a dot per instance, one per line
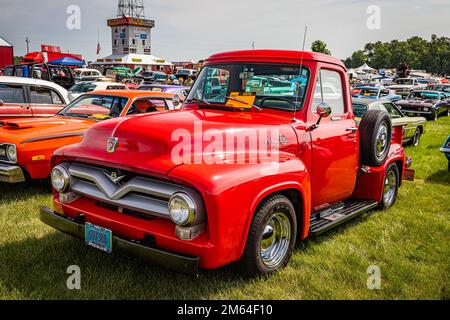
(11, 174)
(176, 262)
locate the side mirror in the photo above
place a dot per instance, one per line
(176, 101)
(1, 103)
(323, 111)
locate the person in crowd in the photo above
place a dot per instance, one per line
(189, 82)
(180, 81)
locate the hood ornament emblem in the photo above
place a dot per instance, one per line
(112, 144)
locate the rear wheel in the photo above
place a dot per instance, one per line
(375, 137)
(271, 238)
(391, 184)
(416, 138)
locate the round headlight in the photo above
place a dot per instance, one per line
(182, 209)
(11, 152)
(60, 179)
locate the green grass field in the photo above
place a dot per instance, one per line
(410, 243)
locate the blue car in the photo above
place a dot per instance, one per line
(375, 93)
(446, 150)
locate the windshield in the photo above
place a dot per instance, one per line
(82, 88)
(421, 95)
(439, 88)
(405, 81)
(96, 107)
(266, 86)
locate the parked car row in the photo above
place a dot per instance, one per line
(132, 171)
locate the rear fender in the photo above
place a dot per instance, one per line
(370, 182)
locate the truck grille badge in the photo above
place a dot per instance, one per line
(114, 177)
(112, 144)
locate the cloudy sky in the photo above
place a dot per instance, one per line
(193, 29)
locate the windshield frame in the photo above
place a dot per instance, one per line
(190, 99)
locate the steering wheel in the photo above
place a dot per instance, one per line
(276, 98)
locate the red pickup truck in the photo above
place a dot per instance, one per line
(264, 154)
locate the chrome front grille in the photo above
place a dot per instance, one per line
(137, 193)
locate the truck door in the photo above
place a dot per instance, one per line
(334, 142)
(13, 101)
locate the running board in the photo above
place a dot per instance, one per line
(333, 216)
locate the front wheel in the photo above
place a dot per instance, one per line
(271, 238)
(391, 184)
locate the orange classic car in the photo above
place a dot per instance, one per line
(27, 145)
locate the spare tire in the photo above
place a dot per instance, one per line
(375, 133)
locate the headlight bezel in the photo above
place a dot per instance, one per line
(64, 175)
(8, 155)
(8, 147)
(191, 207)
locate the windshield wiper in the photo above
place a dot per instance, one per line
(198, 100)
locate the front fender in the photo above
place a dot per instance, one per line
(232, 193)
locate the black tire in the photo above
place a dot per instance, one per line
(252, 264)
(434, 116)
(416, 138)
(375, 145)
(389, 201)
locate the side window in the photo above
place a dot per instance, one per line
(11, 93)
(148, 105)
(56, 98)
(359, 110)
(329, 90)
(391, 110)
(384, 93)
(40, 95)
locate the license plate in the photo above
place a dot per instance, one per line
(98, 237)
(409, 174)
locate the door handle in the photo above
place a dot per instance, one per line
(352, 130)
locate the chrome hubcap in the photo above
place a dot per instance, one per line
(382, 140)
(275, 240)
(390, 188)
(416, 138)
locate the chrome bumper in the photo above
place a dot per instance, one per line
(172, 261)
(11, 174)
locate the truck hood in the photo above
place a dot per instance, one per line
(150, 144)
(19, 131)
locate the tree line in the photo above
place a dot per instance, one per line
(417, 53)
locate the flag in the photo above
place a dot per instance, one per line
(98, 48)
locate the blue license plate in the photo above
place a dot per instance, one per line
(98, 237)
